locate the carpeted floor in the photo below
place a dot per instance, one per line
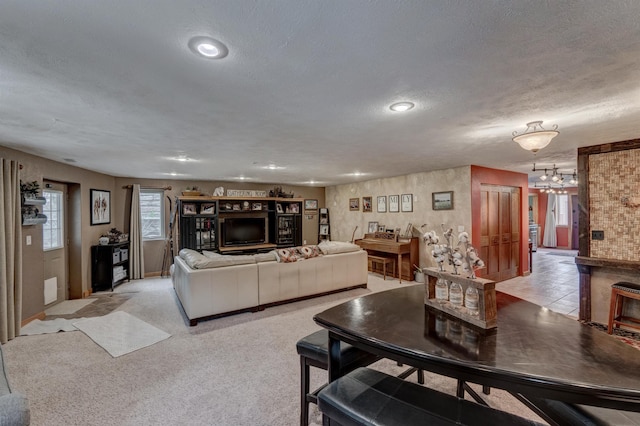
(237, 370)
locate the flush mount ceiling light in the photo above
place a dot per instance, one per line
(401, 106)
(208, 47)
(535, 137)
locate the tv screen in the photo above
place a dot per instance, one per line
(244, 231)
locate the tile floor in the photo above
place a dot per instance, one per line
(553, 282)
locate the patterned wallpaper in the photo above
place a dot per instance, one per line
(614, 180)
(345, 223)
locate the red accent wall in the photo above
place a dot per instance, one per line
(483, 175)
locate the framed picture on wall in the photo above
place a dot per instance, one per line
(367, 204)
(394, 203)
(373, 227)
(406, 202)
(442, 200)
(100, 207)
(382, 204)
(354, 204)
(311, 204)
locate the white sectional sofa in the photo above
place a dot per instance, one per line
(209, 285)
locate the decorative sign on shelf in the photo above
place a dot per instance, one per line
(466, 297)
(245, 193)
(484, 315)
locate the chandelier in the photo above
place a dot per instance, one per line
(535, 137)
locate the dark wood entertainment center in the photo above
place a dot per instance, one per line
(234, 225)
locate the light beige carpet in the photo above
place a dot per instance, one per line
(120, 333)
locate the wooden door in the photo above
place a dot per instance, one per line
(500, 231)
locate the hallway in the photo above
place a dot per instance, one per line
(552, 284)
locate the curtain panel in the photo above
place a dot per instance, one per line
(549, 239)
(136, 258)
(10, 251)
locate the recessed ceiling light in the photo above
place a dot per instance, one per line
(401, 106)
(208, 47)
(273, 167)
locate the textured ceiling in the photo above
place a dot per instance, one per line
(306, 86)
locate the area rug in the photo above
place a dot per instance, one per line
(46, 327)
(120, 333)
(629, 337)
(68, 307)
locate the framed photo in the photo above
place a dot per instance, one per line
(382, 204)
(256, 206)
(367, 205)
(394, 203)
(208, 209)
(189, 208)
(311, 204)
(406, 202)
(324, 229)
(373, 227)
(294, 208)
(354, 204)
(382, 228)
(442, 200)
(279, 208)
(100, 207)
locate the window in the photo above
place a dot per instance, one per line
(152, 213)
(562, 210)
(53, 229)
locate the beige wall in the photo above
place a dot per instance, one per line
(421, 185)
(82, 235)
(81, 181)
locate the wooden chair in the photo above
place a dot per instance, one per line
(619, 292)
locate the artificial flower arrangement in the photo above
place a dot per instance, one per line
(462, 255)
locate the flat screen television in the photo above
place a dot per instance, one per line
(242, 231)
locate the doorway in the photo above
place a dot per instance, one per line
(500, 231)
(54, 243)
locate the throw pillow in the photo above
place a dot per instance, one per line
(309, 251)
(287, 255)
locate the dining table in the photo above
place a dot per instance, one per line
(533, 351)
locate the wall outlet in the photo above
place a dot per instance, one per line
(28, 240)
(597, 235)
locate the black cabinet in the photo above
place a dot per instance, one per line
(198, 224)
(288, 227)
(238, 225)
(109, 265)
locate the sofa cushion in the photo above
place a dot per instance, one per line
(288, 255)
(210, 254)
(334, 247)
(197, 260)
(266, 257)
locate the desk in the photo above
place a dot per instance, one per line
(533, 351)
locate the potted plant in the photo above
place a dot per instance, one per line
(191, 191)
(29, 189)
(418, 274)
